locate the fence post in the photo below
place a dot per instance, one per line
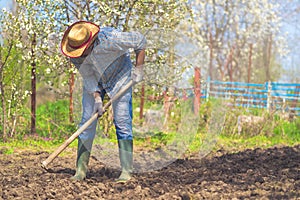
(283, 107)
(197, 89)
(269, 98)
(207, 88)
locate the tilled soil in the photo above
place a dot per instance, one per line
(272, 173)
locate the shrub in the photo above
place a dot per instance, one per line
(52, 120)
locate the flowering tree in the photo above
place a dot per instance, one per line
(35, 28)
(144, 16)
(236, 33)
(229, 40)
(27, 30)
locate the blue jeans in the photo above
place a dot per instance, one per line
(122, 114)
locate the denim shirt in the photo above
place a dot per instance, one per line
(108, 66)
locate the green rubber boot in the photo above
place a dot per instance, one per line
(126, 160)
(83, 156)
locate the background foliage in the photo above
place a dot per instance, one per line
(236, 41)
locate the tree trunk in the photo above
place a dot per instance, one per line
(4, 134)
(227, 64)
(249, 63)
(268, 57)
(33, 86)
(210, 55)
(3, 103)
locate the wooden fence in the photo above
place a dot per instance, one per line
(270, 95)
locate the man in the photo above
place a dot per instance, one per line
(102, 58)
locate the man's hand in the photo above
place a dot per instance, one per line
(98, 105)
(137, 74)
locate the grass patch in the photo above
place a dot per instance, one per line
(34, 145)
(239, 143)
(228, 143)
(283, 134)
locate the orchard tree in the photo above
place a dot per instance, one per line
(3, 63)
(157, 20)
(234, 33)
(35, 29)
(28, 29)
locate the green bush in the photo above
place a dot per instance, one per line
(290, 129)
(52, 120)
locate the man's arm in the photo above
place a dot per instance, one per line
(140, 57)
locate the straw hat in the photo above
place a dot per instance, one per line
(78, 37)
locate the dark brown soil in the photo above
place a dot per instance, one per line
(272, 173)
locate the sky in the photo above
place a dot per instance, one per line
(5, 3)
(291, 25)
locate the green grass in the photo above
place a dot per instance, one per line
(35, 145)
(225, 142)
(238, 143)
(52, 119)
(283, 134)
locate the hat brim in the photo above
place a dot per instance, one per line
(75, 53)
